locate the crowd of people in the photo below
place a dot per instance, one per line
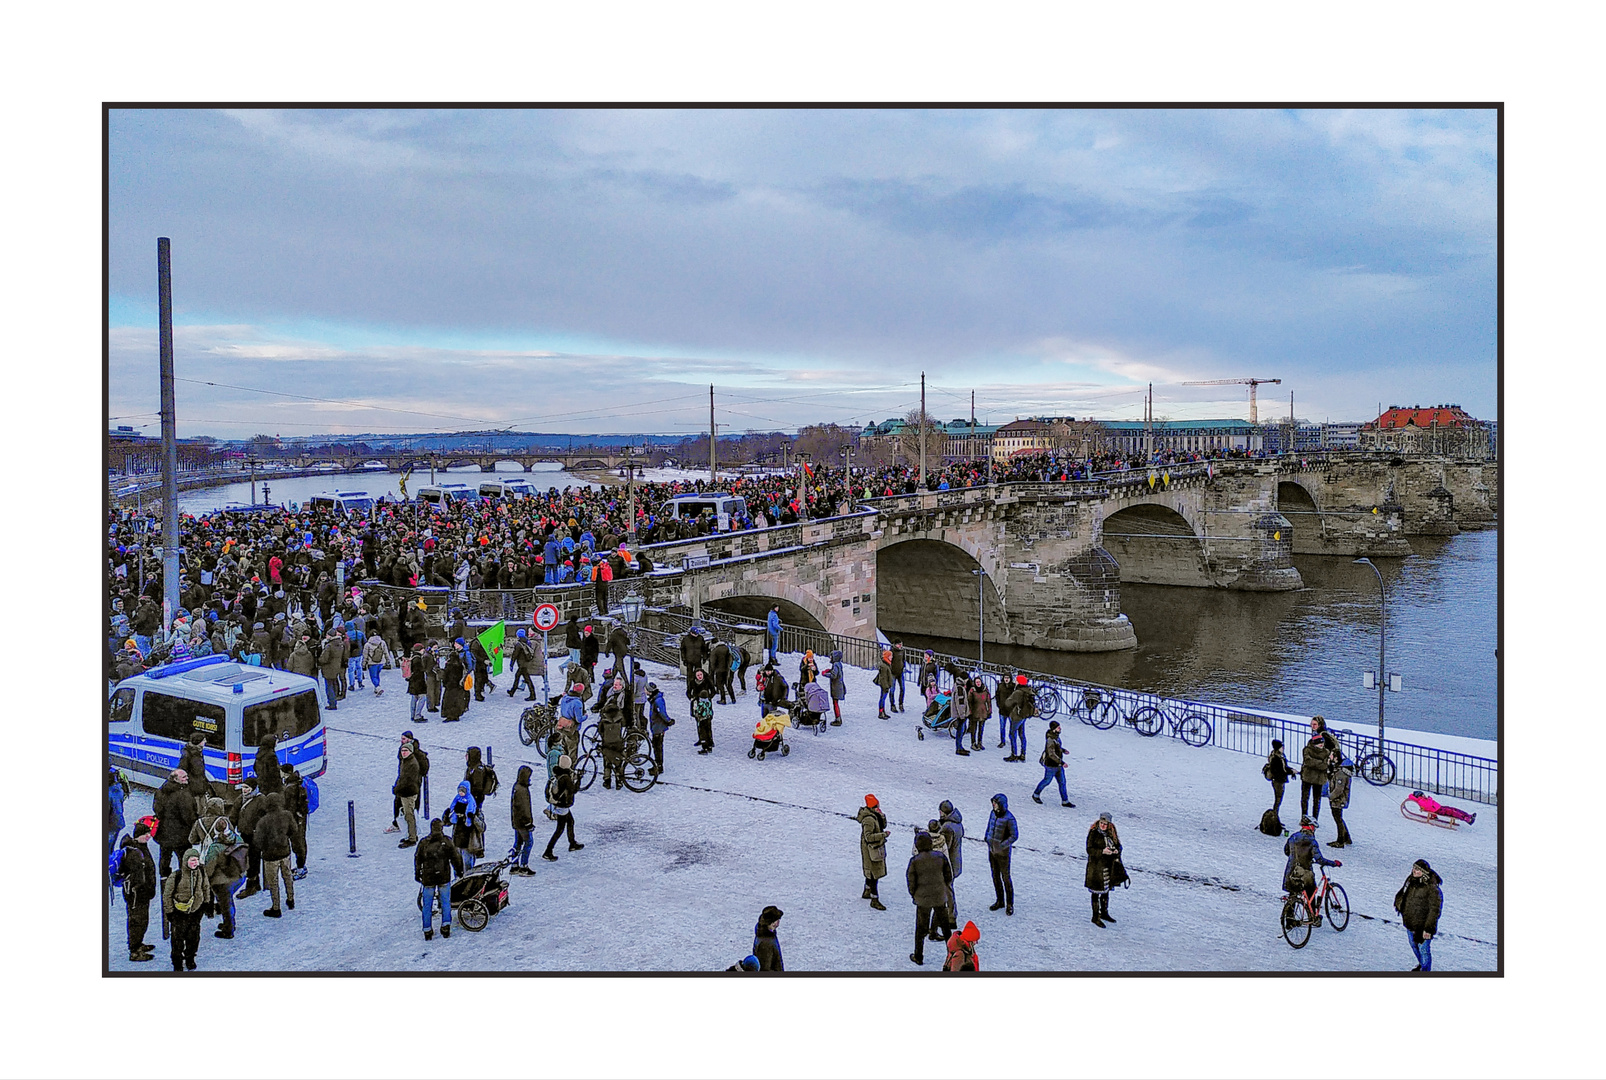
(285, 589)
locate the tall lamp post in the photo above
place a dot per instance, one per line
(1384, 681)
(981, 624)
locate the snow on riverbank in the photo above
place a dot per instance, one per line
(673, 879)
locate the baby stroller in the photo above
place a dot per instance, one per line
(938, 716)
(478, 894)
(768, 737)
(813, 708)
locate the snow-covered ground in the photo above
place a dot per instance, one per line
(674, 879)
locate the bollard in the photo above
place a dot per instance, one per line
(488, 762)
(426, 798)
(351, 826)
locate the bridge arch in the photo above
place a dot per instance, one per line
(752, 600)
(1154, 544)
(927, 586)
(1298, 504)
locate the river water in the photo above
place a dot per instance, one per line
(299, 489)
(1305, 651)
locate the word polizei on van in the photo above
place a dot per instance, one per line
(232, 705)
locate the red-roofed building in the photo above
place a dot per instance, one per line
(1447, 430)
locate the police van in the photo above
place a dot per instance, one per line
(443, 496)
(343, 502)
(232, 705)
(507, 489)
(721, 504)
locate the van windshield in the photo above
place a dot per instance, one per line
(322, 504)
(294, 713)
(490, 491)
(168, 717)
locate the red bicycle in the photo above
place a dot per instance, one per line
(1300, 914)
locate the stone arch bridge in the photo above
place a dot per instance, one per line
(1052, 556)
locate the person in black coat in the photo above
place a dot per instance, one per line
(766, 941)
(693, 651)
(560, 793)
(174, 808)
(249, 811)
(417, 683)
(523, 824)
(929, 878)
(139, 889)
(719, 662)
(1419, 902)
(434, 860)
(1104, 868)
(454, 699)
(267, 765)
(619, 646)
(590, 649)
(409, 779)
(700, 692)
(192, 759)
(275, 836)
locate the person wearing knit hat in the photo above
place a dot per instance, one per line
(766, 942)
(872, 849)
(136, 872)
(561, 790)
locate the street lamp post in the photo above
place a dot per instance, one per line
(981, 625)
(1382, 646)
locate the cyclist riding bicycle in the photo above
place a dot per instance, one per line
(1304, 851)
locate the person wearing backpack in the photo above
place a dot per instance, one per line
(224, 857)
(136, 873)
(962, 950)
(1277, 771)
(560, 792)
(376, 654)
(1338, 787)
(659, 722)
(1053, 762)
(1320, 750)
(186, 897)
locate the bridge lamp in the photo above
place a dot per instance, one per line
(981, 627)
(1380, 678)
(631, 607)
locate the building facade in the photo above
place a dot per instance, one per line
(1443, 430)
(1185, 436)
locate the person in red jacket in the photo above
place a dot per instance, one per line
(962, 949)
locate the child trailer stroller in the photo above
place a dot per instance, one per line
(768, 737)
(478, 894)
(938, 716)
(813, 708)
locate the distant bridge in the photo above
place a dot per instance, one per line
(487, 460)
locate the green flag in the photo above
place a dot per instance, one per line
(492, 638)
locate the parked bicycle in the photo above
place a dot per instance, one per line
(1093, 706)
(1187, 724)
(1300, 914)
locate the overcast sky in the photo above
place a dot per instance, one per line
(594, 271)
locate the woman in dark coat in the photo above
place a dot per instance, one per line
(873, 849)
(981, 710)
(454, 699)
(267, 766)
(1104, 869)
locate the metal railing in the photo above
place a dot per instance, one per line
(1247, 731)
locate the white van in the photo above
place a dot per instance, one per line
(721, 504)
(507, 489)
(233, 705)
(445, 495)
(343, 502)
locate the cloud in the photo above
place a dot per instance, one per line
(619, 249)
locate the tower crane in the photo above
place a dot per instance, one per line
(1253, 416)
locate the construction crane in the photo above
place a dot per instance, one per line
(1253, 415)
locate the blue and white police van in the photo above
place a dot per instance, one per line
(232, 705)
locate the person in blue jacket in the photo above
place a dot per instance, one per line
(116, 792)
(550, 559)
(775, 630)
(1303, 850)
(460, 815)
(658, 722)
(1001, 836)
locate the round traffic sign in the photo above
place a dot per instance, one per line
(546, 617)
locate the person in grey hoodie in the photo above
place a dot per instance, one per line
(1001, 836)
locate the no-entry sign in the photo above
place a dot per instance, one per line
(546, 617)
